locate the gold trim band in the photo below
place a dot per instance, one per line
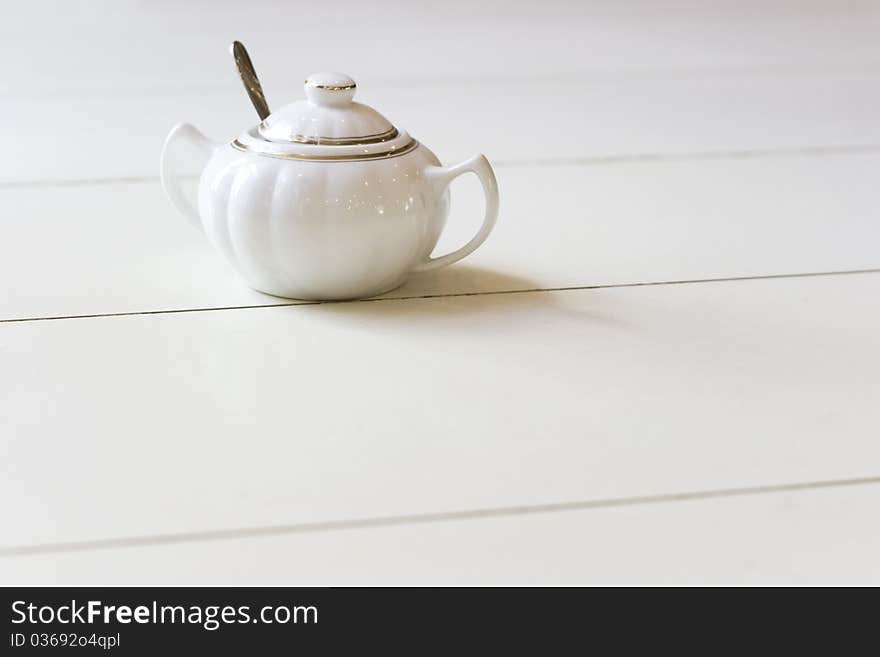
(340, 141)
(328, 87)
(411, 146)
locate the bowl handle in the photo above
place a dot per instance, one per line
(479, 165)
(171, 179)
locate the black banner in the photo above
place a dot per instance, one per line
(411, 621)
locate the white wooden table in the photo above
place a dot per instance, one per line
(663, 367)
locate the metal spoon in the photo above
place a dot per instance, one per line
(249, 77)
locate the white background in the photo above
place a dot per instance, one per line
(663, 366)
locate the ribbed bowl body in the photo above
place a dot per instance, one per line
(322, 230)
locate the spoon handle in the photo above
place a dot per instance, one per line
(249, 77)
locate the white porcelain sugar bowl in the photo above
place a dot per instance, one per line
(324, 198)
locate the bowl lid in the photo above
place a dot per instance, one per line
(328, 124)
(328, 115)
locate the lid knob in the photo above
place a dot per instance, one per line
(330, 89)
